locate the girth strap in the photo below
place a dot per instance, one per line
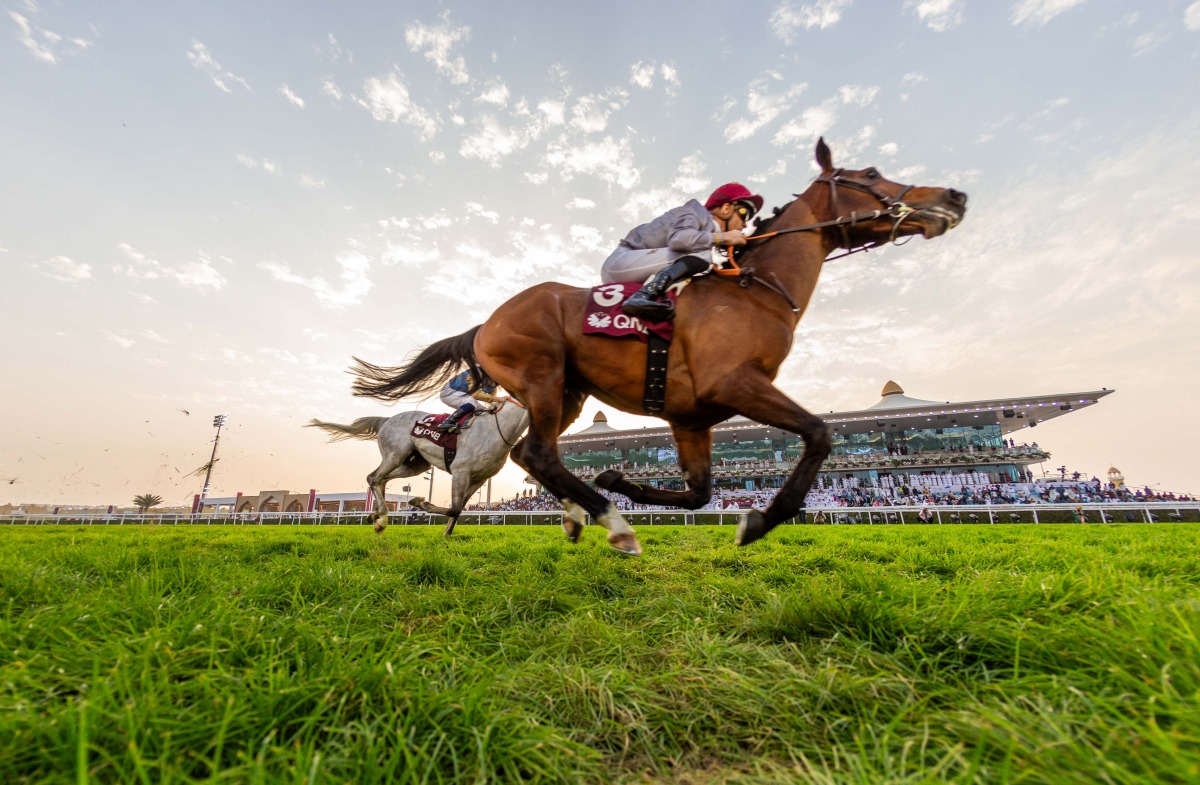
(654, 398)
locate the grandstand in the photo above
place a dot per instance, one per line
(898, 447)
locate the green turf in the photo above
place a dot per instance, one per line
(822, 654)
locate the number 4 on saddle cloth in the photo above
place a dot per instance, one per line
(603, 316)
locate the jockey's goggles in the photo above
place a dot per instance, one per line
(745, 210)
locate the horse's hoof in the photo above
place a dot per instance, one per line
(753, 526)
(608, 479)
(573, 528)
(449, 529)
(625, 542)
(379, 527)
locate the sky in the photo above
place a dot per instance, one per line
(209, 208)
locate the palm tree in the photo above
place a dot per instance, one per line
(146, 501)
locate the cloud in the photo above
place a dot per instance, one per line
(609, 160)
(642, 75)
(579, 203)
(119, 340)
(491, 142)
(354, 276)
(292, 97)
(496, 92)
(763, 106)
(787, 18)
(938, 15)
(308, 181)
(1039, 12)
(436, 42)
(66, 269)
(199, 274)
(857, 94)
(27, 39)
(1191, 16)
(812, 122)
(1150, 40)
(591, 112)
(476, 209)
(689, 181)
(44, 50)
(270, 167)
(388, 101)
(330, 88)
(203, 59)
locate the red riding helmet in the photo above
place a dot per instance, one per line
(733, 192)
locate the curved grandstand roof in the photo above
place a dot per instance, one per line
(894, 411)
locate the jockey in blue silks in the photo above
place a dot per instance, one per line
(462, 392)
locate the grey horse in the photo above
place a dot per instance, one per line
(482, 450)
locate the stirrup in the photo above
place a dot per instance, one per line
(650, 310)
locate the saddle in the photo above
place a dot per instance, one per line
(603, 316)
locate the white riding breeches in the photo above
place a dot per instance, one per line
(630, 264)
(456, 398)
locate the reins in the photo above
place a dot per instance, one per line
(496, 419)
(893, 208)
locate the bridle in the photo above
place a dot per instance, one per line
(893, 207)
(496, 418)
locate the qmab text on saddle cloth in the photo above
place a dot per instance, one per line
(603, 313)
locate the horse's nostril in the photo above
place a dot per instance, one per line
(958, 197)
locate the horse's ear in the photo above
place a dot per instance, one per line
(824, 156)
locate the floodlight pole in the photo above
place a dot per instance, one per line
(218, 421)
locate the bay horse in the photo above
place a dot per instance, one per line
(482, 451)
(728, 344)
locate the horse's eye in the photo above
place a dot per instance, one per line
(873, 174)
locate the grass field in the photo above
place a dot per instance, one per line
(823, 654)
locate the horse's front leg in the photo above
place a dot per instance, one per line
(461, 490)
(538, 454)
(695, 462)
(752, 394)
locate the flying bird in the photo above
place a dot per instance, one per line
(185, 411)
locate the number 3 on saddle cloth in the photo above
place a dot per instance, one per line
(603, 316)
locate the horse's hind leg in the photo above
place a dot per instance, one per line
(537, 453)
(396, 464)
(460, 491)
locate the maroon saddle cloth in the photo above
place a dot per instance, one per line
(603, 316)
(426, 428)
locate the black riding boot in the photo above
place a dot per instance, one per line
(646, 304)
(450, 424)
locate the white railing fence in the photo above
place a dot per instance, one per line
(1113, 512)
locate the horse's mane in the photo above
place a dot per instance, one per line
(764, 225)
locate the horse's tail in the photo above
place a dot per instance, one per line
(362, 428)
(428, 371)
